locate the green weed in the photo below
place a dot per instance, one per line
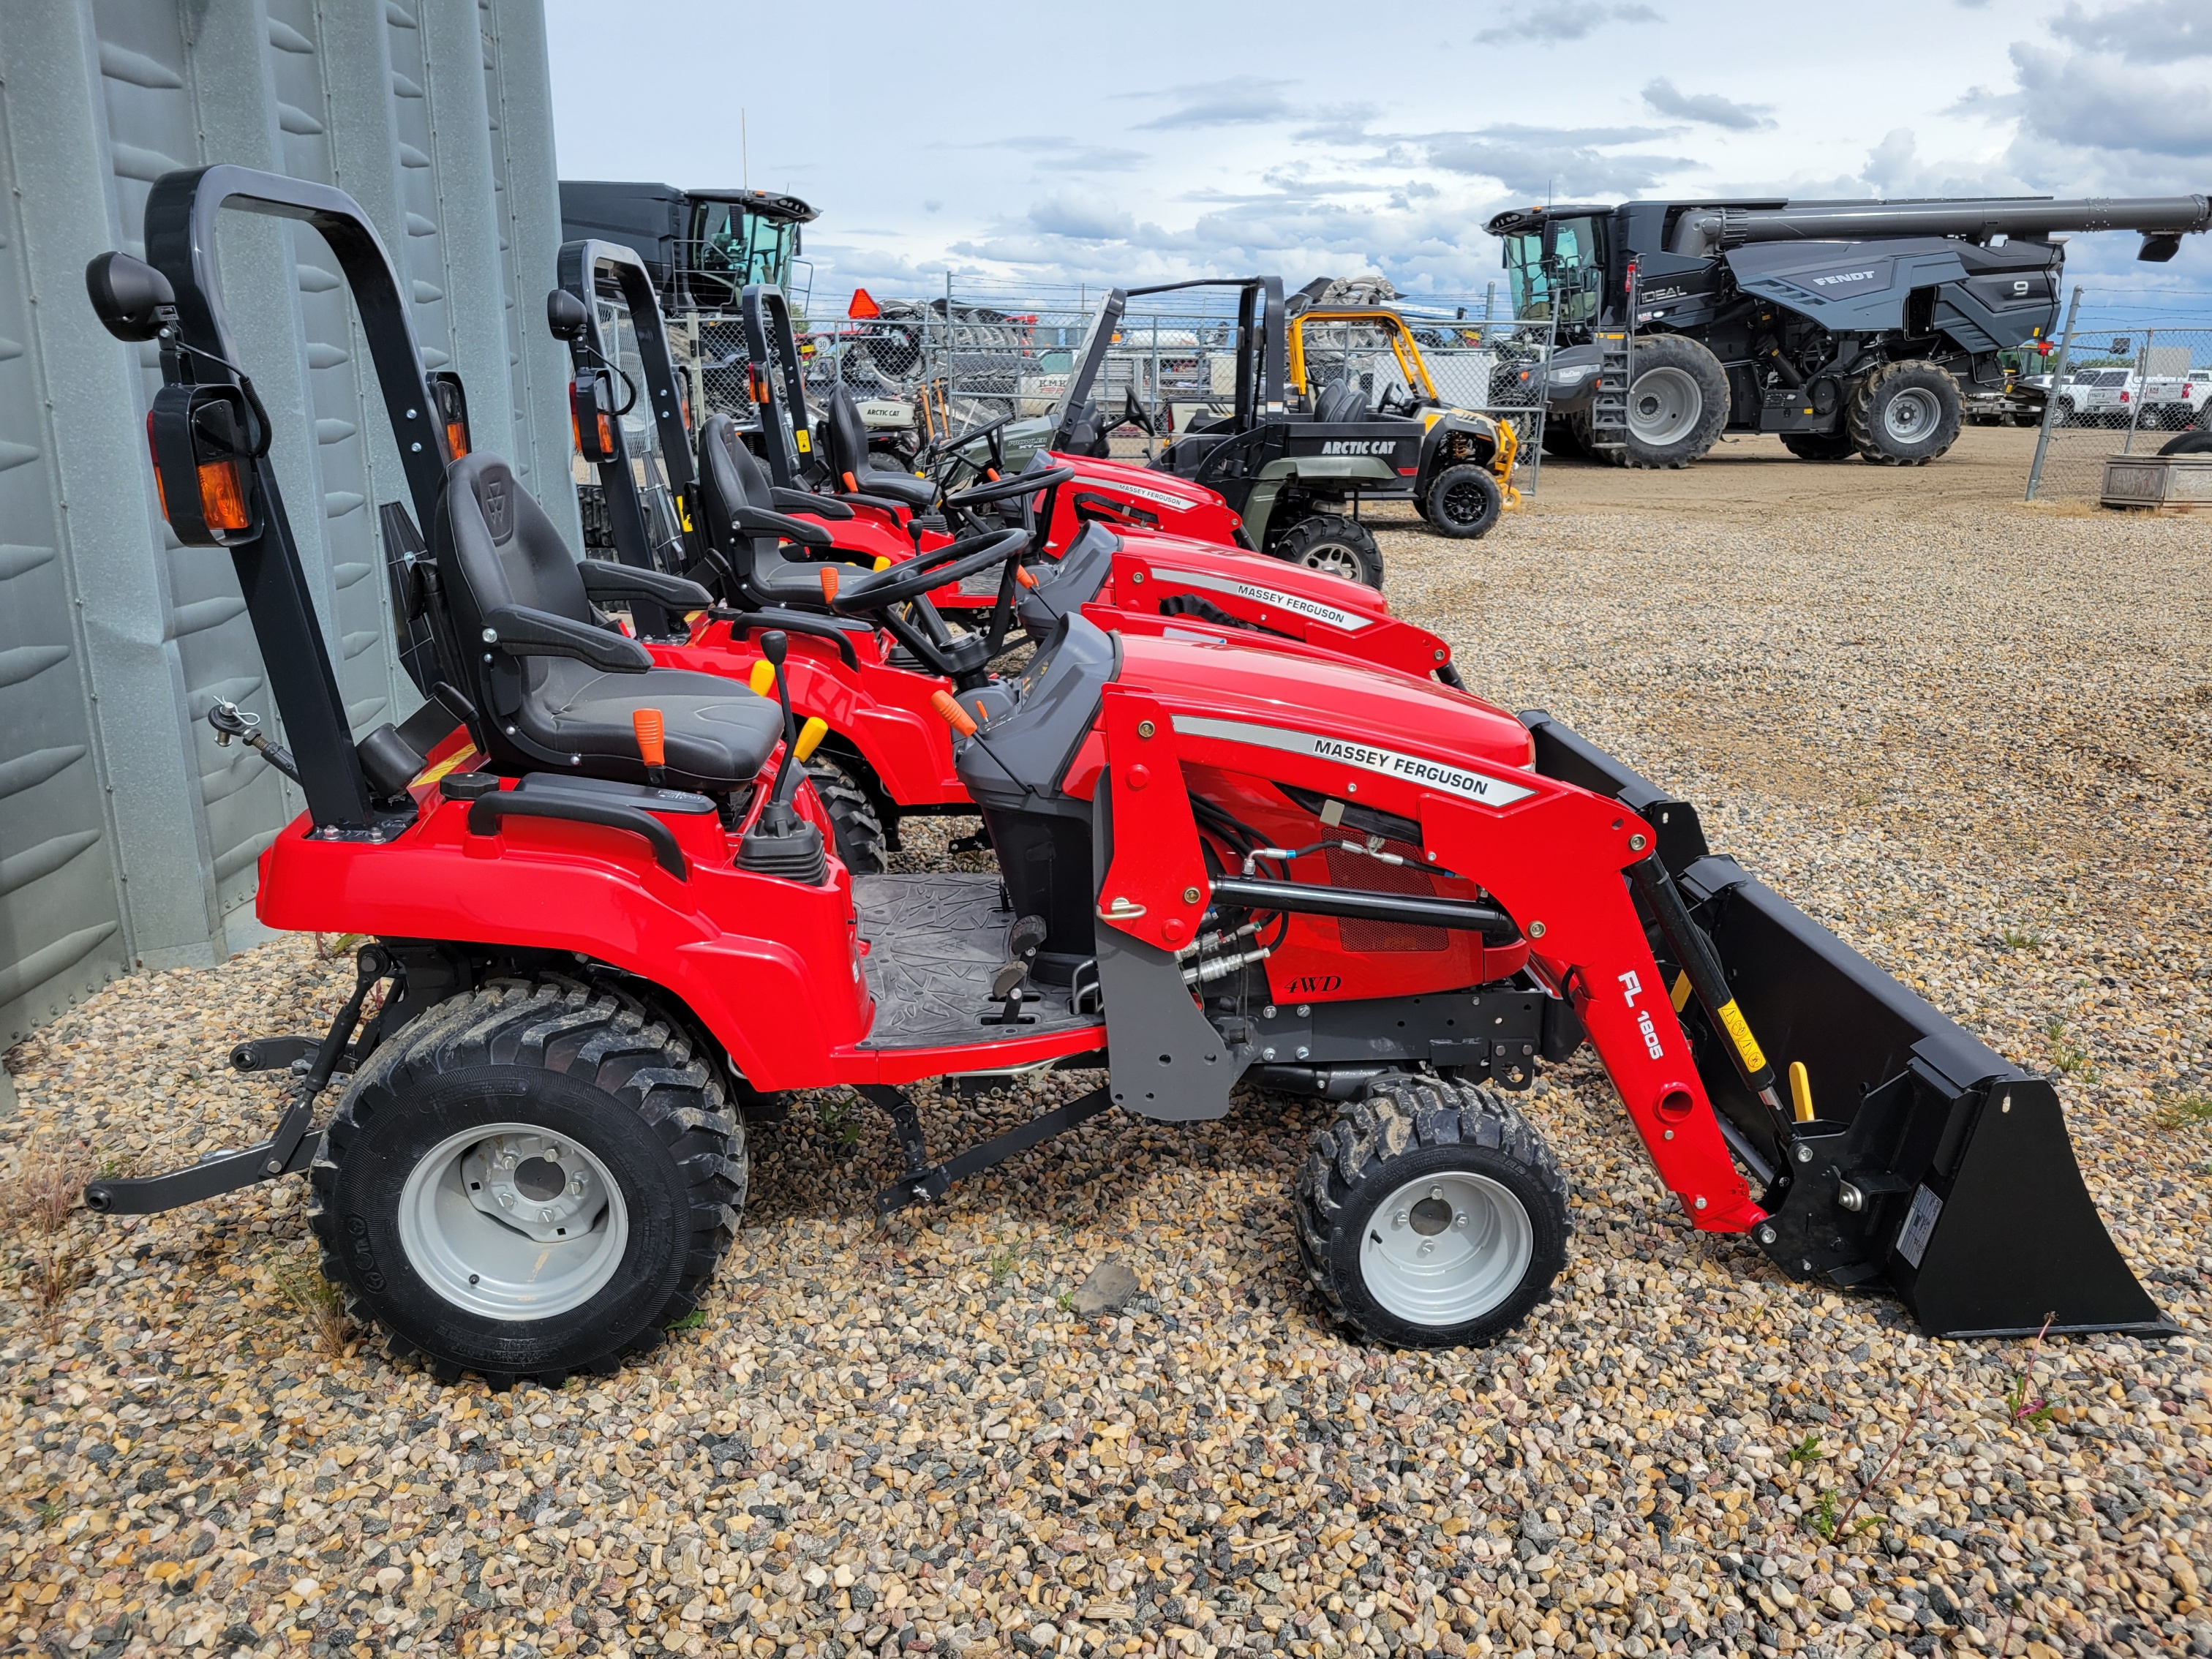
(2188, 1112)
(1806, 1451)
(2067, 1056)
(2020, 939)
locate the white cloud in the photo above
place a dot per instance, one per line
(1707, 106)
(1564, 21)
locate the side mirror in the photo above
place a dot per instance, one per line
(566, 314)
(133, 301)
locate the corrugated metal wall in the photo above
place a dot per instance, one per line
(127, 838)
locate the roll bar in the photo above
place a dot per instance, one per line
(786, 433)
(580, 268)
(180, 243)
(1261, 350)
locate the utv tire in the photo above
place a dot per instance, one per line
(475, 1138)
(1462, 501)
(1904, 414)
(1678, 402)
(1431, 1214)
(1331, 542)
(1819, 446)
(860, 838)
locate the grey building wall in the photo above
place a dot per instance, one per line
(127, 838)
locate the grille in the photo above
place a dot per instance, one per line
(1351, 870)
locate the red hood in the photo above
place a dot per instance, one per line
(1342, 699)
(1184, 553)
(1163, 487)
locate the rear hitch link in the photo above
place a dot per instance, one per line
(292, 1146)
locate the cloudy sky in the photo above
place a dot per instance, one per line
(1057, 144)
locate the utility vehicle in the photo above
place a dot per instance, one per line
(1290, 455)
(612, 922)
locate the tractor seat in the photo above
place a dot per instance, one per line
(568, 710)
(848, 435)
(730, 477)
(1341, 400)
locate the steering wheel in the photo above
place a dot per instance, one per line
(914, 577)
(1397, 400)
(1014, 483)
(948, 446)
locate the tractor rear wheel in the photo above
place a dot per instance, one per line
(535, 1178)
(1431, 1214)
(860, 838)
(1331, 542)
(1904, 414)
(1678, 402)
(1819, 446)
(1462, 501)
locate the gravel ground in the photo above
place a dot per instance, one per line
(1970, 736)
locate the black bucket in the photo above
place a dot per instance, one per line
(1933, 1162)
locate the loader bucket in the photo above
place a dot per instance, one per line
(1931, 1160)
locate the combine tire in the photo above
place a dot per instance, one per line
(1819, 446)
(533, 1179)
(1331, 542)
(1429, 1214)
(1564, 437)
(1678, 404)
(1462, 501)
(860, 839)
(2195, 441)
(1904, 414)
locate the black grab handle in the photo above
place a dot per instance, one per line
(486, 812)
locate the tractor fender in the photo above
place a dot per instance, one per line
(770, 968)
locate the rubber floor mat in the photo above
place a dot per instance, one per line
(934, 941)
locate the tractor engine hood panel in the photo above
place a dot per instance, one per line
(1389, 711)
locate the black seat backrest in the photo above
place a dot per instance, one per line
(849, 440)
(497, 547)
(1341, 400)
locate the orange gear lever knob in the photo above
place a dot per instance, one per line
(828, 579)
(650, 747)
(955, 716)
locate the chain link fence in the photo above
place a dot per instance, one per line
(975, 354)
(2121, 382)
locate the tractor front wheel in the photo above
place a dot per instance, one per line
(1462, 501)
(1329, 541)
(1431, 1214)
(860, 838)
(533, 1179)
(1678, 402)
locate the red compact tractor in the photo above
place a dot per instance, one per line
(618, 922)
(871, 653)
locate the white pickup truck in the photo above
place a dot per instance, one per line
(2109, 397)
(2171, 402)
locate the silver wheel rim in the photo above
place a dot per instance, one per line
(512, 1221)
(1333, 557)
(1912, 414)
(1664, 406)
(1446, 1249)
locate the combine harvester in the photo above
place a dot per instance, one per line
(1845, 327)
